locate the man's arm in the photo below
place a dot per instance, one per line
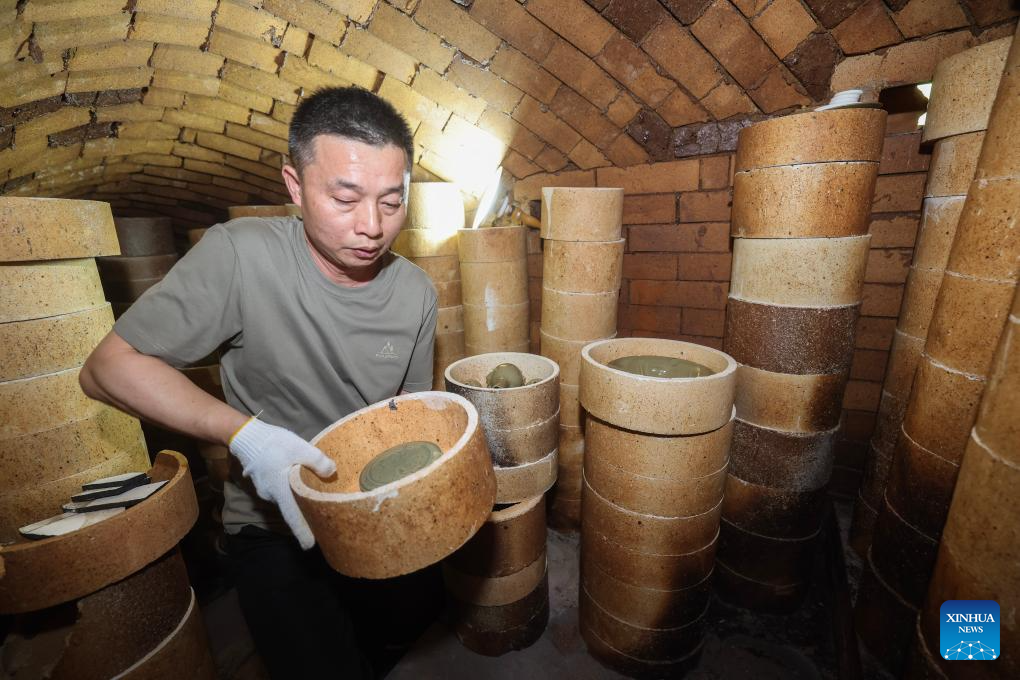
(149, 388)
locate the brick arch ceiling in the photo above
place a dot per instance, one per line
(181, 107)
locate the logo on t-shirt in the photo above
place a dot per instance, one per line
(387, 351)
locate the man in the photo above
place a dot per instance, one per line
(315, 319)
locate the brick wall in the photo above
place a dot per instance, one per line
(181, 108)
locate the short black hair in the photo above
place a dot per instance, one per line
(351, 112)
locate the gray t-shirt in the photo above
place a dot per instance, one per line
(297, 349)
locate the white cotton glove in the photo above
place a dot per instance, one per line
(267, 453)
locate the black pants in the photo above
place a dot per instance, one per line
(307, 621)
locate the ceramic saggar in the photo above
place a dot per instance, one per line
(51, 344)
(520, 423)
(654, 468)
(412, 522)
(145, 236)
(971, 312)
(813, 137)
(78, 445)
(34, 290)
(498, 581)
(581, 214)
(495, 289)
(657, 405)
(972, 77)
(810, 272)
(154, 527)
(583, 266)
(33, 229)
(952, 167)
(122, 630)
(802, 201)
(122, 268)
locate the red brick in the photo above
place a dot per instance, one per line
(583, 117)
(727, 99)
(902, 153)
(653, 334)
(783, 25)
(894, 232)
(715, 172)
(682, 57)
(881, 299)
(875, 333)
(862, 396)
(582, 74)
(986, 13)
(546, 125)
(649, 208)
(705, 206)
(867, 29)
(625, 152)
(902, 123)
(551, 160)
(732, 41)
(458, 28)
(707, 322)
(683, 238)
(705, 266)
(625, 62)
(702, 295)
(888, 265)
(898, 193)
(714, 343)
(510, 21)
(635, 17)
(680, 109)
(652, 179)
(924, 17)
(650, 318)
(515, 68)
(653, 266)
(779, 90)
(535, 265)
(575, 21)
(868, 364)
(519, 166)
(857, 426)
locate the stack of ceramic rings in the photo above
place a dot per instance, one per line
(957, 133)
(435, 213)
(971, 310)
(582, 263)
(147, 253)
(801, 210)
(654, 473)
(129, 612)
(494, 272)
(498, 582)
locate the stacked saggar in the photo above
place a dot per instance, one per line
(494, 271)
(117, 610)
(498, 582)
(971, 311)
(655, 464)
(957, 133)
(147, 253)
(435, 213)
(581, 268)
(801, 204)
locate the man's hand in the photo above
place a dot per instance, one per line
(267, 453)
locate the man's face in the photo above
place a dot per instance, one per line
(352, 201)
